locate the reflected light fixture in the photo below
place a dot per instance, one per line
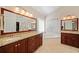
(27, 14)
(31, 15)
(22, 11)
(17, 9)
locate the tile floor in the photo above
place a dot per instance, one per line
(54, 46)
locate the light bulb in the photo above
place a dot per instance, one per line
(64, 18)
(17, 9)
(73, 17)
(27, 14)
(22, 11)
(31, 15)
(69, 17)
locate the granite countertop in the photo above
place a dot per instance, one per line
(10, 38)
(72, 32)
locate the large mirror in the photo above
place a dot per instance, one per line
(71, 24)
(14, 22)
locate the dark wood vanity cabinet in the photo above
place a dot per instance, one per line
(8, 48)
(17, 47)
(70, 39)
(21, 46)
(34, 42)
(27, 45)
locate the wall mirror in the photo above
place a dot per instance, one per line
(14, 22)
(71, 24)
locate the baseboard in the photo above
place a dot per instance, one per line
(51, 37)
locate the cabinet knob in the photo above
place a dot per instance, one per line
(16, 45)
(19, 44)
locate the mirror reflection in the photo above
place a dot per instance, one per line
(71, 24)
(14, 22)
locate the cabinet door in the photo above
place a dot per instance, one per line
(17, 47)
(26, 45)
(39, 40)
(31, 44)
(68, 39)
(1, 51)
(21, 46)
(76, 40)
(34, 42)
(8, 48)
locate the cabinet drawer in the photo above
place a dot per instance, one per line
(70, 39)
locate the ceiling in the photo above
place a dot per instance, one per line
(43, 10)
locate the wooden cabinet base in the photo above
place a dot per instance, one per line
(27, 45)
(70, 39)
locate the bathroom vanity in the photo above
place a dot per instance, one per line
(70, 38)
(18, 33)
(70, 32)
(26, 42)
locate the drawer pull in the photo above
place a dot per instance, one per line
(19, 44)
(16, 45)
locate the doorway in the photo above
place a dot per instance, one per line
(17, 26)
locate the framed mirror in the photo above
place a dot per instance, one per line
(71, 24)
(15, 22)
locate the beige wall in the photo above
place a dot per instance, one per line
(63, 11)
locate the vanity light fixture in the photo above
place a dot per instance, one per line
(22, 11)
(69, 17)
(74, 17)
(64, 18)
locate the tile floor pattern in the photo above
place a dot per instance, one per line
(54, 46)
